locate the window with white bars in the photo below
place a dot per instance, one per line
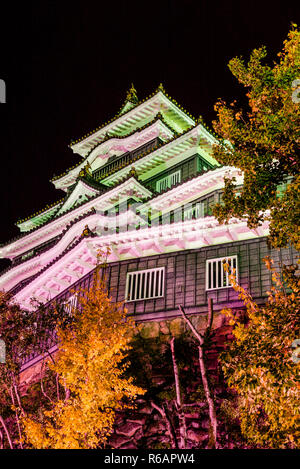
(70, 304)
(200, 209)
(168, 181)
(216, 276)
(145, 284)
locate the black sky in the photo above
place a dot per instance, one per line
(67, 68)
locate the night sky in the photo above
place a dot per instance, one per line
(67, 68)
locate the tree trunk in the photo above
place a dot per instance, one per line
(209, 397)
(15, 386)
(181, 417)
(7, 432)
(207, 391)
(17, 417)
(42, 383)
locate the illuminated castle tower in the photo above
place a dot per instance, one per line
(145, 188)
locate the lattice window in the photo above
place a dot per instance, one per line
(145, 284)
(168, 181)
(201, 209)
(216, 277)
(70, 304)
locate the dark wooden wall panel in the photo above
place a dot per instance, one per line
(185, 275)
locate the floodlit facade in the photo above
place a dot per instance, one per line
(145, 189)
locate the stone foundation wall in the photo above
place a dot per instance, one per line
(176, 327)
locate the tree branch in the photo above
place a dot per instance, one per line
(163, 413)
(1, 440)
(195, 332)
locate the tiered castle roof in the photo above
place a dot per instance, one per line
(159, 115)
(119, 159)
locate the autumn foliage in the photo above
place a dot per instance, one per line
(23, 333)
(263, 140)
(90, 365)
(259, 364)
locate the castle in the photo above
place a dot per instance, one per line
(145, 189)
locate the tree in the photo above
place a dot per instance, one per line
(203, 339)
(90, 364)
(22, 332)
(259, 364)
(263, 141)
(13, 329)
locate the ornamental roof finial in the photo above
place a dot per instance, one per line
(131, 95)
(86, 231)
(85, 171)
(161, 88)
(132, 172)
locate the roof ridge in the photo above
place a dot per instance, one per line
(160, 88)
(44, 210)
(59, 237)
(157, 117)
(23, 234)
(72, 245)
(86, 179)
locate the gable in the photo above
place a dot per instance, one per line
(79, 194)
